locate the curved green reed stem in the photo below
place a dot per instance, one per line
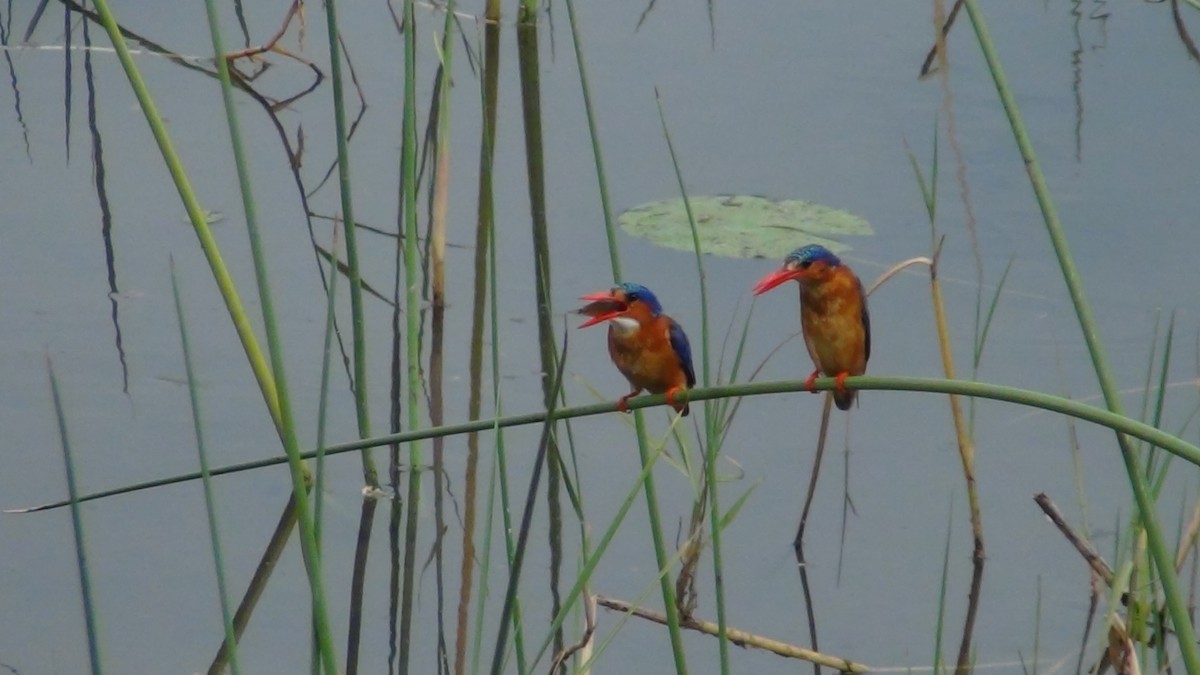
(1025, 397)
(241, 321)
(1163, 558)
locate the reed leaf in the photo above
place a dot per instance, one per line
(1163, 558)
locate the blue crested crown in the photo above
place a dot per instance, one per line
(637, 292)
(811, 254)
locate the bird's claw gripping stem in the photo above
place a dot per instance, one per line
(841, 382)
(811, 383)
(623, 402)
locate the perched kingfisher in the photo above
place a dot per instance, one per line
(833, 315)
(648, 347)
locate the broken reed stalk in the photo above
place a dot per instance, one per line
(739, 637)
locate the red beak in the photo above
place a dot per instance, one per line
(601, 307)
(776, 278)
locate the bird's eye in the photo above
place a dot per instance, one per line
(806, 264)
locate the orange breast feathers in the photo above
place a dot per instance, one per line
(834, 317)
(644, 354)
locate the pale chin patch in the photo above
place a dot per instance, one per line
(625, 325)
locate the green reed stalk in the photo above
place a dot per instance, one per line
(499, 475)
(412, 311)
(205, 477)
(237, 313)
(656, 534)
(593, 558)
(713, 438)
(510, 544)
(323, 401)
(85, 583)
(275, 350)
(1163, 559)
(322, 414)
(361, 408)
(412, 263)
(276, 402)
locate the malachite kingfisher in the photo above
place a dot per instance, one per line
(648, 347)
(833, 315)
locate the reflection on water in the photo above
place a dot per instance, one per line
(783, 100)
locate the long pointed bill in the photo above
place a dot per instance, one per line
(600, 318)
(601, 307)
(774, 279)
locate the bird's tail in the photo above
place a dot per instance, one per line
(843, 399)
(683, 410)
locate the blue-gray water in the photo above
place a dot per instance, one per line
(796, 99)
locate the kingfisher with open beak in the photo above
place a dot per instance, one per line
(833, 315)
(648, 347)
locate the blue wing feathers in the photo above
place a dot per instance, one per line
(679, 343)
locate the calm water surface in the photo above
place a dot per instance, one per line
(794, 99)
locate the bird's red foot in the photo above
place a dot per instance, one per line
(679, 407)
(811, 383)
(623, 402)
(841, 382)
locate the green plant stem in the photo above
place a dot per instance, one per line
(1025, 397)
(85, 585)
(1163, 559)
(660, 556)
(712, 437)
(272, 387)
(205, 477)
(370, 475)
(237, 313)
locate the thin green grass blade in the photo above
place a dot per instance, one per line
(940, 625)
(724, 416)
(710, 419)
(738, 503)
(1164, 376)
(361, 408)
(991, 314)
(85, 583)
(527, 515)
(322, 418)
(593, 560)
(323, 401)
(1149, 377)
(275, 350)
(668, 590)
(209, 502)
(514, 617)
(233, 303)
(1163, 559)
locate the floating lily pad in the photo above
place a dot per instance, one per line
(743, 226)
